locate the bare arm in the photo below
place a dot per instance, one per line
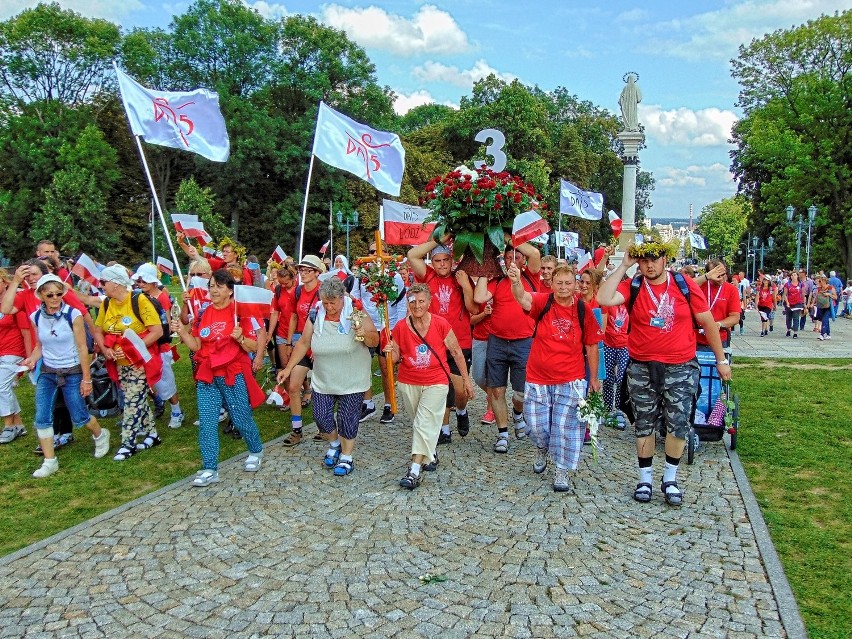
(455, 350)
(521, 295)
(300, 349)
(188, 248)
(593, 358)
(417, 257)
(78, 326)
(608, 294)
(467, 292)
(481, 294)
(533, 257)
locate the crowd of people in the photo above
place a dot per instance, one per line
(553, 334)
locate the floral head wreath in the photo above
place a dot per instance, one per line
(239, 249)
(275, 265)
(652, 250)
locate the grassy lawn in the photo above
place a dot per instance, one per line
(796, 447)
(794, 442)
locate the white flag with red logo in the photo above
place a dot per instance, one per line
(86, 269)
(196, 231)
(252, 301)
(279, 255)
(405, 223)
(615, 223)
(573, 200)
(165, 266)
(528, 226)
(190, 121)
(374, 156)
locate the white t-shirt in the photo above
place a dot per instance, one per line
(744, 285)
(57, 337)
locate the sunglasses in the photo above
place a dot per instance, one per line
(52, 295)
(372, 251)
(198, 274)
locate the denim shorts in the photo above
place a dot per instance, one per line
(45, 400)
(504, 355)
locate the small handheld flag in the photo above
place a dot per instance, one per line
(252, 301)
(86, 269)
(527, 226)
(615, 223)
(278, 255)
(165, 266)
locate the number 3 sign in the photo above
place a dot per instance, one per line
(494, 149)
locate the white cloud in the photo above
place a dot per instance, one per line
(404, 103)
(717, 34)
(106, 9)
(431, 71)
(429, 31)
(715, 175)
(633, 15)
(687, 127)
(269, 10)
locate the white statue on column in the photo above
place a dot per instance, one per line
(631, 96)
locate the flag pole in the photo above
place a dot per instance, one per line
(305, 207)
(331, 232)
(153, 238)
(160, 210)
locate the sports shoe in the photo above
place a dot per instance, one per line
(11, 433)
(488, 418)
(387, 416)
(176, 421)
(101, 443)
(502, 444)
(223, 416)
(411, 481)
(540, 462)
(432, 465)
(795, 336)
(159, 407)
(820, 337)
(463, 424)
(788, 334)
(366, 413)
(828, 337)
(205, 478)
(253, 462)
(61, 441)
(445, 438)
(48, 467)
(520, 427)
(560, 480)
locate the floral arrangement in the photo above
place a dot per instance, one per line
(593, 412)
(653, 249)
(472, 204)
(378, 279)
(239, 249)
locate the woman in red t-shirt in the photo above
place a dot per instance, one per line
(420, 345)
(556, 370)
(223, 376)
(765, 304)
(11, 355)
(794, 302)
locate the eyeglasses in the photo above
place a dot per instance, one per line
(305, 269)
(52, 295)
(372, 252)
(198, 274)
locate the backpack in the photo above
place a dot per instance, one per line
(679, 279)
(90, 340)
(105, 399)
(581, 316)
(166, 337)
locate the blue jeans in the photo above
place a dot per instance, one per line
(45, 399)
(824, 315)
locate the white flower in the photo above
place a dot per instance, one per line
(461, 168)
(582, 403)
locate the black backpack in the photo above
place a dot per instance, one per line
(104, 400)
(166, 337)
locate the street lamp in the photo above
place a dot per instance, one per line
(347, 222)
(798, 226)
(812, 211)
(763, 249)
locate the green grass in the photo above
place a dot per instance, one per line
(796, 447)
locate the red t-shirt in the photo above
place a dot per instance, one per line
(307, 299)
(417, 364)
(671, 340)
(11, 338)
(723, 301)
(617, 321)
(794, 295)
(214, 331)
(482, 330)
(556, 355)
(282, 302)
(509, 321)
(448, 302)
(765, 297)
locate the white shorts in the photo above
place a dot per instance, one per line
(8, 380)
(166, 388)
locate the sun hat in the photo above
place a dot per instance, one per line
(47, 279)
(312, 261)
(147, 273)
(117, 274)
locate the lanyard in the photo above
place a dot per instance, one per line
(718, 293)
(658, 302)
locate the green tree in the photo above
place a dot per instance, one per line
(723, 223)
(194, 199)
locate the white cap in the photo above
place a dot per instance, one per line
(147, 273)
(47, 279)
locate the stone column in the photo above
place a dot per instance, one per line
(631, 140)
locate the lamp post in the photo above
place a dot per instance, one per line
(763, 248)
(812, 211)
(798, 226)
(347, 222)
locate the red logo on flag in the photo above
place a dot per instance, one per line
(163, 110)
(361, 149)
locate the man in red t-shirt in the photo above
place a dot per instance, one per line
(510, 339)
(663, 373)
(548, 263)
(722, 297)
(46, 248)
(452, 299)
(229, 257)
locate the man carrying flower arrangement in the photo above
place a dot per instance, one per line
(452, 299)
(662, 377)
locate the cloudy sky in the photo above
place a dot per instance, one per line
(435, 51)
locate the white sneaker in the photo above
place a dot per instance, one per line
(253, 462)
(10, 433)
(48, 467)
(540, 462)
(101, 443)
(223, 415)
(176, 421)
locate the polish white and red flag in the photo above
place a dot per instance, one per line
(324, 248)
(179, 219)
(165, 266)
(528, 226)
(405, 224)
(190, 121)
(374, 156)
(615, 223)
(584, 260)
(195, 230)
(279, 255)
(86, 269)
(252, 301)
(139, 355)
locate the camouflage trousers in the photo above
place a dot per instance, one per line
(662, 395)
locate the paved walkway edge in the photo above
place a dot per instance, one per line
(788, 609)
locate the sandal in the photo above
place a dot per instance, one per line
(319, 438)
(253, 462)
(674, 498)
(124, 453)
(205, 478)
(344, 467)
(306, 399)
(150, 441)
(293, 439)
(332, 455)
(643, 492)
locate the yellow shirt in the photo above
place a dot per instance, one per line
(119, 317)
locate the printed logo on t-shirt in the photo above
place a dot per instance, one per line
(423, 358)
(666, 312)
(215, 330)
(444, 294)
(126, 320)
(620, 319)
(562, 326)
